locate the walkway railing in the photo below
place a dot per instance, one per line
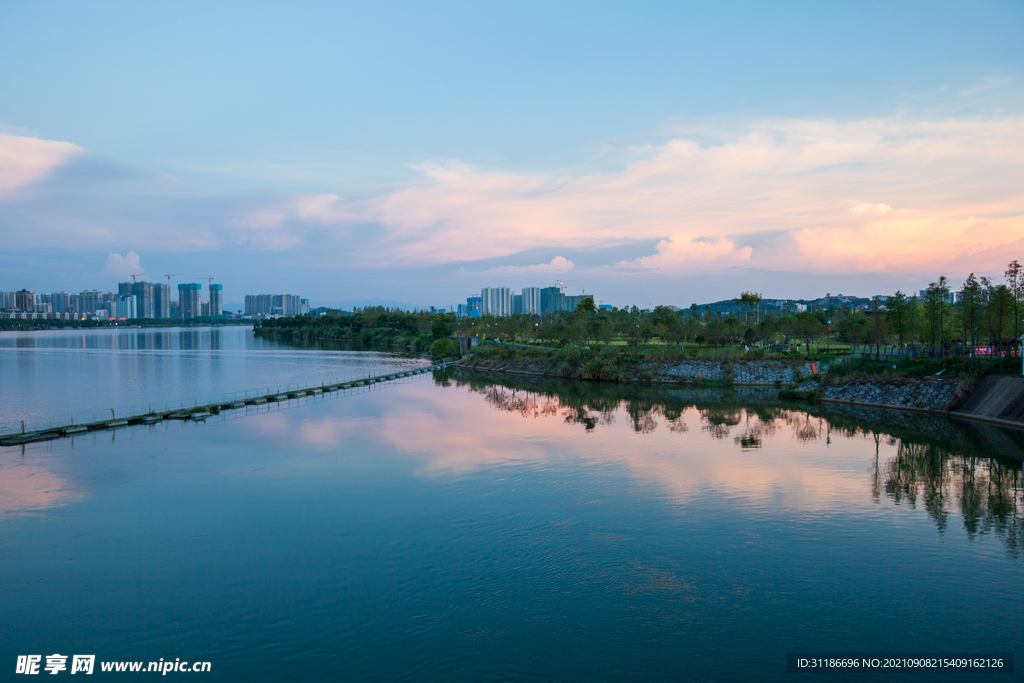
(149, 413)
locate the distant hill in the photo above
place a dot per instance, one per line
(365, 303)
(728, 306)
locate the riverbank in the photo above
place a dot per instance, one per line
(910, 386)
(920, 394)
(397, 341)
(372, 326)
(626, 369)
(41, 325)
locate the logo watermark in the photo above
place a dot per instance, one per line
(86, 664)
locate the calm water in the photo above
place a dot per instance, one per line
(449, 528)
(48, 377)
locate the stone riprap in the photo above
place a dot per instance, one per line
(927, 394)
(765, 372)
(752, 372)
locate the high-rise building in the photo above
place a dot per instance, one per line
(152, 298)
(60, 302)
(189, 300)
(25, 301)
(143, 297)
(161, 300)
(517, 303)
(89, 302)
(127, 307)
(272, 304)
(531, 300)
(550, 300)
(571, 302)
(496, 301)
(216, 299)
(108, 303)
(473, 307)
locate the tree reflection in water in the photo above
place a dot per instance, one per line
(946, 466)
(985, 491)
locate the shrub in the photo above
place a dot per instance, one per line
(444, 348)
(594, 369)
(574, 354)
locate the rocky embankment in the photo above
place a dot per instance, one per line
(752, 372)
(929, 394)
(763, 372)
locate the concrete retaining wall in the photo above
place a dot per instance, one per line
(996, 398)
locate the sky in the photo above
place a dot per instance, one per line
(646, 153)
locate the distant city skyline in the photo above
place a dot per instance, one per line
(144, 299)
(665, 154)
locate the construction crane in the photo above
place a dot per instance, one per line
(169, 276)
(135, 275)
(208, 280)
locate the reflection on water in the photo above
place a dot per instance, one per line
(468, 529)
(31, 486)
(984, 491)
(52, 378)
(950, 467)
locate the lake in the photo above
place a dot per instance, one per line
(52, 378)
(462, 527)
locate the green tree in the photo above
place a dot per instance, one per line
(913, 319)
(444, 348)
(1015, 280)
(441, 327)
(586, 308)
(896, 317)
(936, 313)
(971, 304)
(749, 300)
(1000, 312)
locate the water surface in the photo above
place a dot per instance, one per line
(455, 528)
(54, 377)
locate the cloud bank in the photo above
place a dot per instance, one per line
(25, 160)
(863, 196)
(796, 195)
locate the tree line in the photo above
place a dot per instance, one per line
(937, 323)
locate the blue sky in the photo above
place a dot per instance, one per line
(666, 152)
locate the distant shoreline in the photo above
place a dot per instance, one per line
(6, 326)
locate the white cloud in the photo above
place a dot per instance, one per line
(856, 196)
(559, 264)
(26, 160)
(691, 254)
(809, 195)
(120, 268)
(987, 83)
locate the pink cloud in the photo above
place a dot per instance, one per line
(25, 160)
(848, 197)
(559, 264)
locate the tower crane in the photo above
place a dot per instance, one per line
(135, 275)
(169, 276)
